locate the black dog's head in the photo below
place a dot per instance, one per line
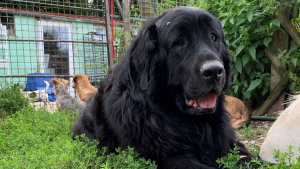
(187, 45)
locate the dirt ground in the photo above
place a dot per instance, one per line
(255, 135)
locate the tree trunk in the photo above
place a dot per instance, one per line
(283, 13)
(281, 43)
(126, 19)
(280, 80)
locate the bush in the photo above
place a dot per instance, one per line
(230, 161)
(11, 100)
(38, 139)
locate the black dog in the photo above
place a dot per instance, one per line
(165, 97)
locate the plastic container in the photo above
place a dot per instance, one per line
(37, 83)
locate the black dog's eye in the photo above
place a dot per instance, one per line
(181, 42)
(213, 37)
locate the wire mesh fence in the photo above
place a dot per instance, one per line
(41, 39)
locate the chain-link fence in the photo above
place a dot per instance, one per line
(41, 39)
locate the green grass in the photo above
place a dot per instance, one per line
(38, 139)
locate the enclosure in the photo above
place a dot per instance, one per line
(41, 39)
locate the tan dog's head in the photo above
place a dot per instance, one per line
(58, 82)
(80, 78)
(84, 89)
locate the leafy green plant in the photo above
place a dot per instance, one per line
(11, 100)
(127, 159)
(230, 161)
(248, 28)
(285, 159)
(39, 139)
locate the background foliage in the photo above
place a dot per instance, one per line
(11, 100)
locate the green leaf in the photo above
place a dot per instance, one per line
(238, 66)
(247, 94)
(231, 20)
(267, 40)
(260, 54)
(250, 16)
(261, 28)
(252, 8)
(257, 43)
(293, 48)
(245, 59)
(295, 60)
(235, 74)
(223, 22)
(260, 66)
(235, 88)
(248, 68)
(241, 20)
(252, 52)
(244, 83)
(276, 22)
(254, 84)
(233, 56)
(252, 75)
(239, 49)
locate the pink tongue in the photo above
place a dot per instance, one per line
(208, 101)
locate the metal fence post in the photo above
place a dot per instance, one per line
(108, 33)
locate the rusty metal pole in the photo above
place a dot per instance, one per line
(108, 34)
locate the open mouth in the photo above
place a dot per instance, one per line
(207, 101)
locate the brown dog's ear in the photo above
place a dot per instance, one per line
(89, 77)
(75, 77)
(53, 81)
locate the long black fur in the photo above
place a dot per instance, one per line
(143, 101)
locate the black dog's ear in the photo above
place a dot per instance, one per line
(145, 48)
(151, 49)
(227, 63)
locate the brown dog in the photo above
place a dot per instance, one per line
(83, 87)
(238, 111)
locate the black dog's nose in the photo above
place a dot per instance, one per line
(212, 70)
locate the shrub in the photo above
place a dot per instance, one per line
(230, 161)
(11, 100)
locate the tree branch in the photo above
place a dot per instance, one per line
(277, 64)
(283, 14)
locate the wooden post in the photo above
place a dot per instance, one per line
(126, 19)
(108, 34)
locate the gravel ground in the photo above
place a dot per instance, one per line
(254, 135)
